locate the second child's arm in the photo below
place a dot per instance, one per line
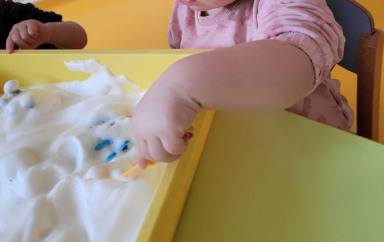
(260, 75)
(67, 35)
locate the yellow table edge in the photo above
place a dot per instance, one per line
(163, 215)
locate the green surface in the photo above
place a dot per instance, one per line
(281, 177)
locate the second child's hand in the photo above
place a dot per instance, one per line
(28, 34)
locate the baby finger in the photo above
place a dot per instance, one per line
(159, 153)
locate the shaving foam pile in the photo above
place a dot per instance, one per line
(51, 136)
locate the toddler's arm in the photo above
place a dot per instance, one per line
(260, 75)
(29, 34)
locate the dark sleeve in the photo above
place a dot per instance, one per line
(12, 13)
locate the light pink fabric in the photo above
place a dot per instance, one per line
(307, 24)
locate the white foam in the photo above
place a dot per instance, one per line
(48, 139)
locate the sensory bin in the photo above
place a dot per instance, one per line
(64, 113)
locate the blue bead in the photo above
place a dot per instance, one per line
(101, 121)
(103, 144)
(123, 146)
(110, 157)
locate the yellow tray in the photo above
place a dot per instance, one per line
(142, 67)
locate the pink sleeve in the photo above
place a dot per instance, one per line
(174, 29)
(307, 24)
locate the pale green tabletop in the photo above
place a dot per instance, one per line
(280, 177)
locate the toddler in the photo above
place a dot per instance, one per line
(27, 27)
(268, 55)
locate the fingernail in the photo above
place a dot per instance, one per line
(143, 165)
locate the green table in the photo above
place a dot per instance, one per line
(281, 177)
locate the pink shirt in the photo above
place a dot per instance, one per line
(306, 24)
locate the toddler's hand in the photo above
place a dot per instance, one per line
(28, 34)
(160, 122)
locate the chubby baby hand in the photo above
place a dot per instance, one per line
(161, 121)
(28, 34)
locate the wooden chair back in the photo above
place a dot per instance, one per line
(363, 55)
